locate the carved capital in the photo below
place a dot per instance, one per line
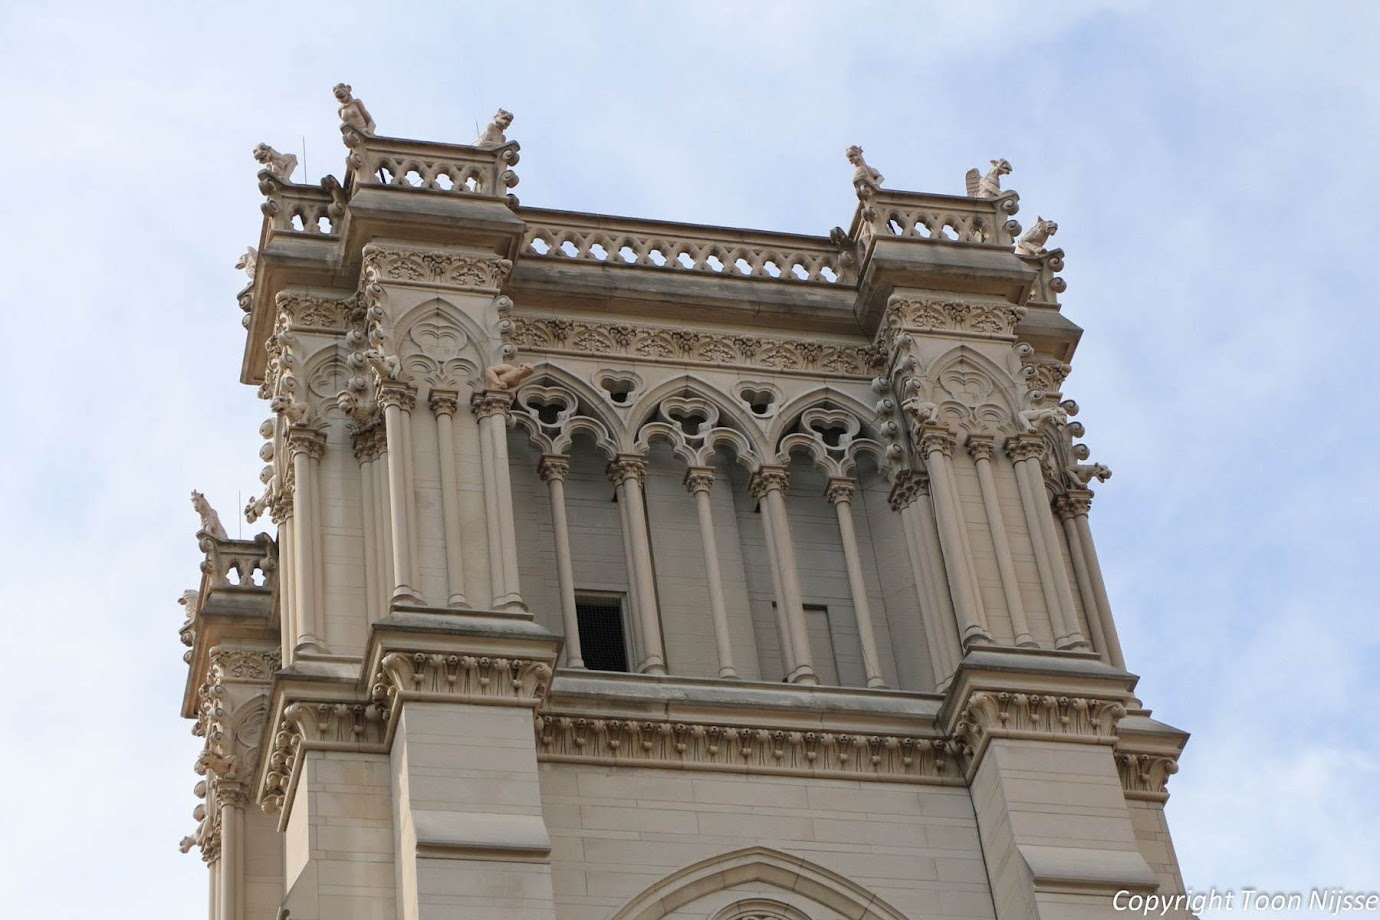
(317, 725)
(935, 439)
(988, 714)
(768, 479)
(1145, 775)
(840, 490)
(553, 468)
(981, 446)
(444, 402)
(699, 479)
(368, 439)
(491, 402)
(906, 489)
(442, 676)
(394, 394)
(1025, 447)
(306, 440)
(627, 467)
(1073, 502)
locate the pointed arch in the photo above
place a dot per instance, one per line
(593, 402)
(1002, 382)
(326, 373)
(790, 413)
(729, 409)
(764, 866)
(474, 334)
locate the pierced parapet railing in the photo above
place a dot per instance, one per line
(889, 214)
(237, 565)
(306, 210)
(454, 169)
(630, 243)
(1048, 286)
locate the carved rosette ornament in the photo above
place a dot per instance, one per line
(712, 746)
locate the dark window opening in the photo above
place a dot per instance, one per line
(603, 642)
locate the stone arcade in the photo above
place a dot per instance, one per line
(631, 569)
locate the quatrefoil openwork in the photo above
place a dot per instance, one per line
(552, 406)
(834, 427)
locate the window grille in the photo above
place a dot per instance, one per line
(603, 640)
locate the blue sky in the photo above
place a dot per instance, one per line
(1210, 167)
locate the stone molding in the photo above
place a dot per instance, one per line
(1033, 716)
(452, 677)
(491, 402)
(1145, 774)
(469, 272)
(574, 738)
(768, 479)
(314, 313)
(685, 346)
(320, 725)
(946, 318)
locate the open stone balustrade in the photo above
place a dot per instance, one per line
(682, 247)
(421, 166)
(938, 218)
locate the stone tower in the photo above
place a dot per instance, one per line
(631, 569)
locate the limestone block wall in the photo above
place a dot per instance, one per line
(617, 832)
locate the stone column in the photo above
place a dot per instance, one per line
(306, 446)
(363, 442)
(398, 400)
(1025, 452)
(840, 492)
(768, 485)
(492, 408)
(981, 448)
(231, 855)
(630, 471)
(444, 404)
(553, 471)
(287, 564)
(698, 481)
(630, 567)
(937, 446)
(903, 500)
(1074, 507)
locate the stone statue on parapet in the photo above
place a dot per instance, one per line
(248, 262)
(353, 115)
(866, 180)
(988, 186)
(492, 135)
(1032, 241)
(210, 520)
(507, 376)
(280, 165)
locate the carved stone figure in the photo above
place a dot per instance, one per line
(919, 412)
(353, 114)
(492, 135)
(1032, 419)
(1084, 473)
(210, 520)
(988, 186)
(866, 180)
(1032, 241)
(507, 376)
(336, 209)
(248, 262)
(280, 165)
(388, 367)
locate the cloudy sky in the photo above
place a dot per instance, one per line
(1210, 167)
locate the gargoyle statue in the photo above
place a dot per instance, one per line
(919, 412)
(280, 165)
(507, 376)
(1032, 241)
(248, 262)
(388, 367)
(1084, 473)
(210, 521)
(353, 115)
(492, 135)
(336, 209)
(866, 180)
(1032, 419)
(988, 186)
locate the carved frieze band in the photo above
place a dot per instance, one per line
(444, 269)
(736, 748)
(311, 313)
(947, 317)
(989, 714)
(405, 676)
(667, 343)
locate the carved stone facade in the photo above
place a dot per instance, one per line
(757, 583)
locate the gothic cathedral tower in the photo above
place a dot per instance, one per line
(632, 569)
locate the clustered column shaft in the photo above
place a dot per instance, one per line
(444, 404)
(768, 486)
(981, 448)
(699, 481)
(1073, 508)
(398, 400)
(307, 445)
(553, 471)
(629, 472)
(910, 498)
(840, 493)
(492, 408)
(937, 445)
(1025, 452)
